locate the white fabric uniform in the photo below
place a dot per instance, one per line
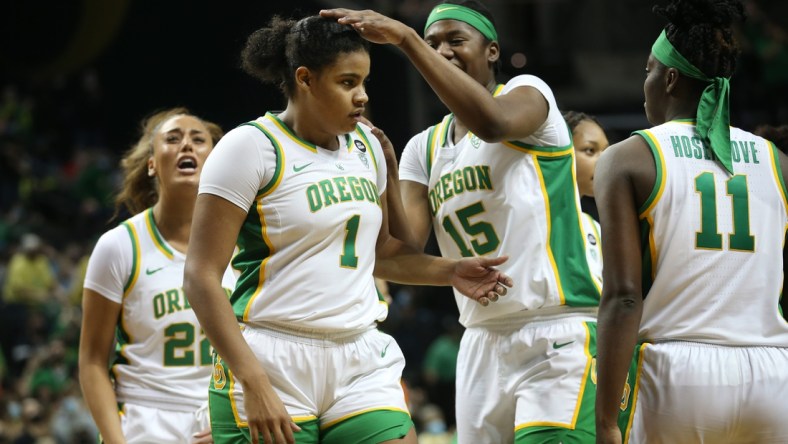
(313, 221)
(712, 278)
(515, 198)
(306, 256)
(163, 359)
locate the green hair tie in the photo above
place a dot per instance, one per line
(713, 116)
(447, 11)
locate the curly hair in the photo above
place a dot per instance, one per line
(274, 52)
(702, 31)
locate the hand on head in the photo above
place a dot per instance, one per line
(373, 26)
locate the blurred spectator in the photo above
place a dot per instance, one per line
(439, 371)
(28, 289)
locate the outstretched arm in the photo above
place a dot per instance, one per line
(476, 278)
(511, 116)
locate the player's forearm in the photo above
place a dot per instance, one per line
(470, 101)
(102, 403)
(210, 304)
(401, 263)
(617, 329)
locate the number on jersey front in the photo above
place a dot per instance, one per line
(179, 347)
(489, 240)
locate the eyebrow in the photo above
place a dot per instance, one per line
(179, 130)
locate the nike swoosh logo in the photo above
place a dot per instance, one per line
(149, 272)
(299, 168)
(383, 353)
(557, 345)
(448, 8)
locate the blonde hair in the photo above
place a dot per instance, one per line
(140, 191)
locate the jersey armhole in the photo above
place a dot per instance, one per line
(659, 182)
(280, 155)
(136, 258)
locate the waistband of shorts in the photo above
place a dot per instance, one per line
(527, 318)
(307, 335)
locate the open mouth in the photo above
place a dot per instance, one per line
(187, 165)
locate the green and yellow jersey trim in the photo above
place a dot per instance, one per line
(280, 161)
(285, 129)
(260, 224)
(645, 211)
(136, 258)
(776, 171)
(158, 240)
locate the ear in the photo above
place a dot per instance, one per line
(302, 77)
(493, 52)
(151, 167)
(671, 79)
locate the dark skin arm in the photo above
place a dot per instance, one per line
(624, 177)
(398, 221)
(514, 115)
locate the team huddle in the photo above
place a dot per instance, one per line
(239, 302)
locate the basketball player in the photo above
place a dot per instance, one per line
(303, 195)
(133, 296)
(495, 177)
(693, 214)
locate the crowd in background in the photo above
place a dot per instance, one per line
(57, 179)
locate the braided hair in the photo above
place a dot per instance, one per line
(702, 31)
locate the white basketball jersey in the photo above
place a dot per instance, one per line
(307, 247)
(516, 198)
(713, 241)
(163, 358)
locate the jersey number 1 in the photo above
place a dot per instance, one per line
(708, 238)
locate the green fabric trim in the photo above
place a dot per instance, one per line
(280, 155)
(658, 162)
(463, 14)
(134, 254)
(713, 121)
(369, 427)
(157, 237)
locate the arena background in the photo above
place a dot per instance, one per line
(78, 75)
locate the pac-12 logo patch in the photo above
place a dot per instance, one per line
(591, 239)
(360, 145)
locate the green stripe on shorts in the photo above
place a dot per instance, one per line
(370, 427)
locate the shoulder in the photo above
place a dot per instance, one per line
(527, 80)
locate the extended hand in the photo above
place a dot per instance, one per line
(375, 27)
(477, 279)
(266, 415)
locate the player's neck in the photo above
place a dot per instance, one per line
(173, 219)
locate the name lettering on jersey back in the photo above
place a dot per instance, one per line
(467, 179)
(341, 189)
(693, 148)
(172, 301)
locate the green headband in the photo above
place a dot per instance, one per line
(713, 118)
(447, 11)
